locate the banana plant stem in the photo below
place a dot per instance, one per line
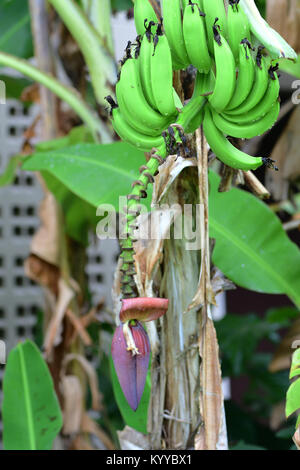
(99, 14)
(67, 94)
(100, 63)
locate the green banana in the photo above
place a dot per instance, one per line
(195, 38)
(184, 4)
(238, 27)
(245, 80)
(224, 150)
(258, 111)
(133, 137)
(129, 90)
(173, 28)
(144, 61)
(133, 122)
(214, 9)
(177, 100)
(162, 75)
(249, 129)
(192, 114)
(259, 88)
(143, 10)
(225, 73)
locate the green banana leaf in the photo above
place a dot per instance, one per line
(292, 68)
(252, 249)
(15, 31)
(98, 174)
(8, 176)
(30, 410)
(79, 216)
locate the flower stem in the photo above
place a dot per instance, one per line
(139, 191)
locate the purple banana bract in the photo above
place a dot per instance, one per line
(131, 365)
(130, 347)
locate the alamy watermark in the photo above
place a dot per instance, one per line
(2, 352)
(2, 92)
(163, 222)
(296, 94)
(296, 344)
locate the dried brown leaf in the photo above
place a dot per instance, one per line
(79, 328)
(286, 155)
(296, 438)
(277, 416)
(81, 443)
(73, 400)
(31, 93)
(204, 294)
(130, 439)
(46, 242)
(283, 354)
(42, 272)
(211, 402)
(168, 172)
(220, 283)
(88, 425)
(52, 337)
(284, 17)
(91, 375)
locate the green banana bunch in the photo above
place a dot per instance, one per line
(236, 90)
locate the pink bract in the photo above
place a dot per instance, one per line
(143, 309)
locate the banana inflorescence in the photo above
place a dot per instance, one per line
(236, 92)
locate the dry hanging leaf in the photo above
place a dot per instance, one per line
(91, 375)
(296, 438)
(81, 443)
(130, 439)
(31, 93)
(73, 400)
(283, 354)
(220, 283)
(204, 294)
(212, 433)
(286, 155)
(278, 416)
(79, 328)
(46, 242)
(212, 396)
(168, 172)
(52, 337)
(284, 17)
(42, 272)
(88, 425)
